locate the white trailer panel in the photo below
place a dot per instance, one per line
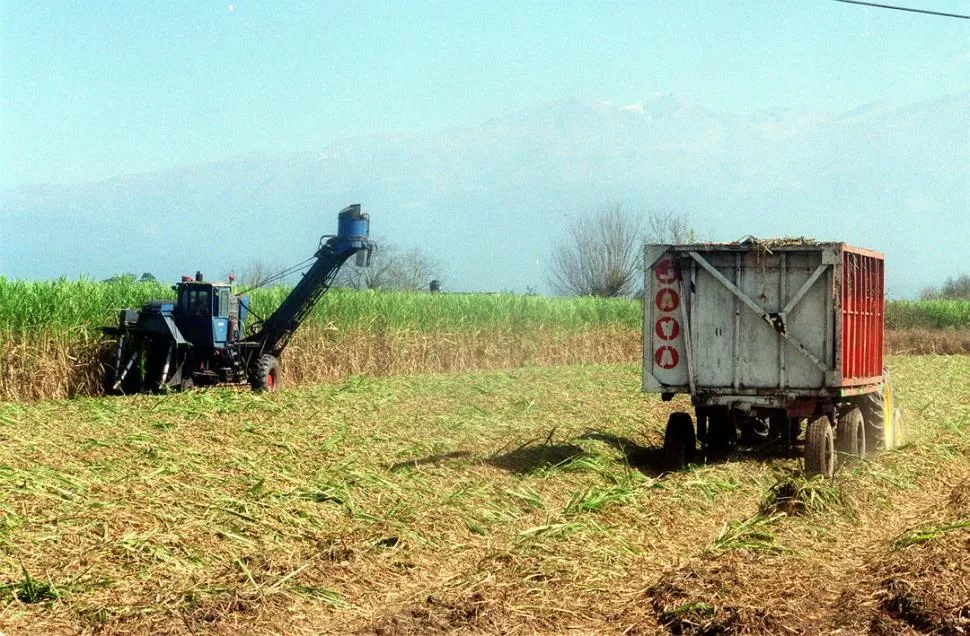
(750, 319)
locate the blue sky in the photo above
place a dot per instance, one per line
(91, 90)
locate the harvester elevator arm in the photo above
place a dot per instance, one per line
(353, 229)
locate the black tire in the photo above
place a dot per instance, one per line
(820, 448)
(266, 374)
(680, 442)
(850, 439)
(874, 415)
(721, 431)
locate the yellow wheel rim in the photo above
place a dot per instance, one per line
(888, 425)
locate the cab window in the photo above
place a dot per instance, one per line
(197, 302)
(223, 309)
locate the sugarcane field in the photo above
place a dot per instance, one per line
(388, 319)
(513, 488)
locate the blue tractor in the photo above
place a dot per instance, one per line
(200, 337)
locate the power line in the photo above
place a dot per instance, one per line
(889, 6)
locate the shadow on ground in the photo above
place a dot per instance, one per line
(647, 459)
(532, 457)
(430, 460)
(535, 456)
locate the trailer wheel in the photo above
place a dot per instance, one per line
(721, 431)
(680, 441)
(265, 375)
(820, 448)
(850, 436)
(881, 418)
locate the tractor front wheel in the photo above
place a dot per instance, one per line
(265, 374)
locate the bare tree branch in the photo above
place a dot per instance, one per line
(600, 257)
(667, 227)
(603, 253)
(391, 268)
(254, 273)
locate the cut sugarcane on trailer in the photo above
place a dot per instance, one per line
(766, 336)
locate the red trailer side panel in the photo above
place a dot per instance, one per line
(863, 304)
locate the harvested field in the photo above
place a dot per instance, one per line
(503, 502)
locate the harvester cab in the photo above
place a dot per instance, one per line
(200, 337)
(209, 314)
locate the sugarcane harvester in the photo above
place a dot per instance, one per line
(199, 338)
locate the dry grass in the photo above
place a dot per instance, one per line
(320, 356)
(47, 366)
(503, 502)
(919, 341)
(924, 584)
(57, 365)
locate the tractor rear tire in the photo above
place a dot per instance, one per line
(265, 374)
(820, 448)
(680, 441)
(850, 438)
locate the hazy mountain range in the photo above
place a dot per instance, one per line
(489, 202)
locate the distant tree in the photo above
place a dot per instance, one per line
(667, 227)
(603, 253)
(600, 256)
(255, 273)
(954, 287)
(126, 277)
(391, 267)
(147, 277)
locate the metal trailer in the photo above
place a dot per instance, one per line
(766, 335)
